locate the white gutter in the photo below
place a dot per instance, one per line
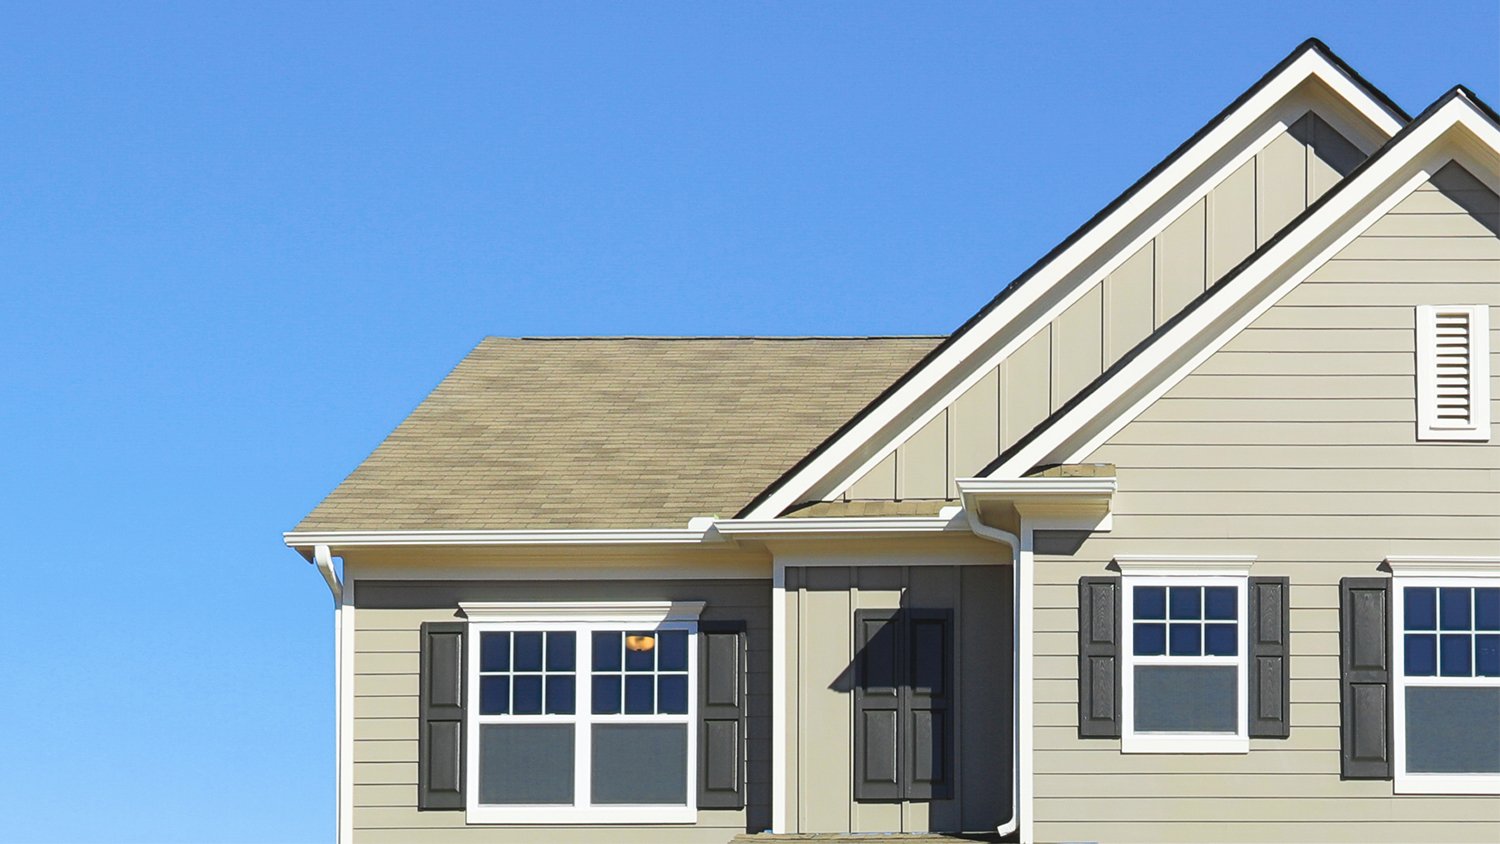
(323, 559)
(1004, 537)
(694, 535)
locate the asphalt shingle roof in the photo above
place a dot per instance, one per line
(611, 432)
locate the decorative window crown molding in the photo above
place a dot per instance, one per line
(1186, 565)
(625, 612)
(1444, 566)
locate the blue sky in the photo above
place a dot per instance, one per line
(240, 242)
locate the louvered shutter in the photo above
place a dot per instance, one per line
(1453, 372)
(440, 736)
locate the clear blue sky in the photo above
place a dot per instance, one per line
(239, 242)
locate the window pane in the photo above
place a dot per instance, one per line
(494, 651)
(641, 659)
(526, 764)
(606, 694)
(1455, 604)
(1421, 655)
(642, 764)
(1221, 602)
(1456, 651)
(1150, 639)
(640, 695)
(1421, 608)
(527, 695)
(671, 694)
(1487, 609)
(494, 695)
(1221, 639)
(1186, 698)
(1186, 602)
(562, 651)
(560, 694)
(671, 649)
(1487, 655)
(607, 651)
(1150, 602)
(528, 652)
(1453, 730)
(1186, 639)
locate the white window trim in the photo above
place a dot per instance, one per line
(582, 619)
(1409, 783)
(1134, 742)
(1430, 428)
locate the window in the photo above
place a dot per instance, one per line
(1447, 695)
(582, 714)
(1453, 400)
(1183, 681)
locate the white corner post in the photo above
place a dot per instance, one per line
(779, 757)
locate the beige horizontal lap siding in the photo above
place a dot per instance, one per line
(1193, 251)
(1295, 443)
(387, 621)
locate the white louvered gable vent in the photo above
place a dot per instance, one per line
(1453, 372)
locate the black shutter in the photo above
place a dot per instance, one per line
(927, 746)
(1270, 663)
(1365, 677)
(722, 714)
(440, 740)
(877, 704)
(1099, 639)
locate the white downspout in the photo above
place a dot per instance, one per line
(323, 559)
(994, 534)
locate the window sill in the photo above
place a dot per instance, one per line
(557, 815)
(1447, 784)
(1184, 743)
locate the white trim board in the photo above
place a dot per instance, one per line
(1446, 133)
(840, 455)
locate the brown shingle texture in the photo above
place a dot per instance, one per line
(611, 432)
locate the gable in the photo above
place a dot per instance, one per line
(1304, 424)
(1113, 312)
(920, 407)
(1334, 234)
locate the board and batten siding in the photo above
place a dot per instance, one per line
(1297, 443)
(1240, 213)
(821, 602)
(387, 620)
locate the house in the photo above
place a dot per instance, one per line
(1191, 534)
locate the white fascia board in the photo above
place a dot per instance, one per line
(629, 536)
(836, 527)
(1312, 64)
(1255, 289)
(1037, 486)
